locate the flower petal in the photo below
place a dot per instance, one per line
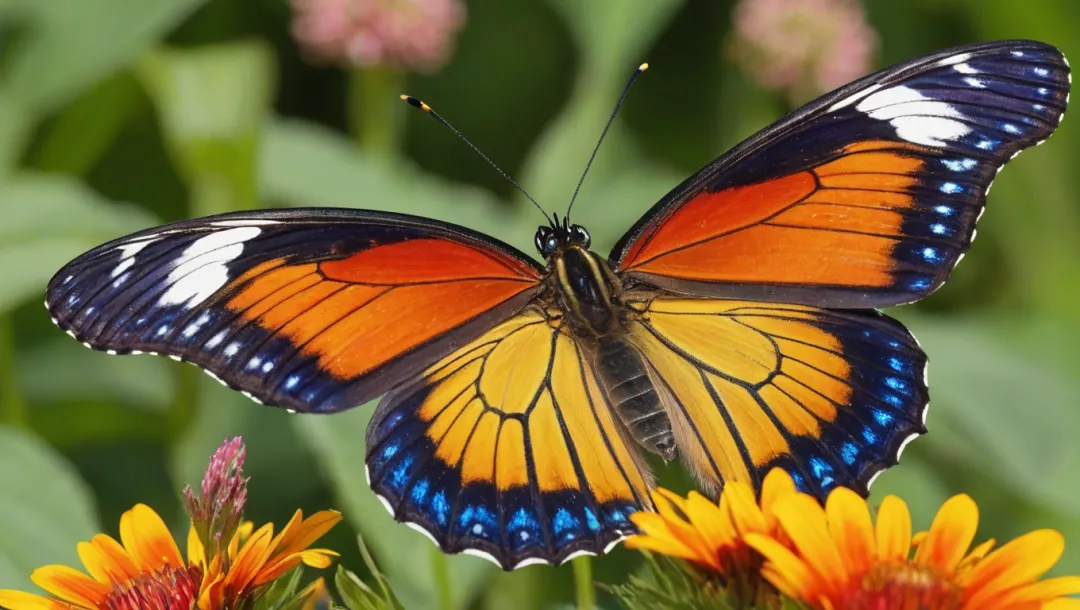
(17, 600)
(707, 518)
(893, 530)
(297, 537)
(318, 558)
(1040, 592)
(196, 554)
(1018, 562)
(778, 483)
(147, 540)
(851, 528)
(950, 534)
(249, 560)
(673, 499)
(1065, 603)
(805, 524)
(786, 571)
(745, 512)
(71, 585)
(679, 532)
(665, 546)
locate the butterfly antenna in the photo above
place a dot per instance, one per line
(415, 103)
(611, 119)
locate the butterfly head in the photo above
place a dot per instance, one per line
(559, 236)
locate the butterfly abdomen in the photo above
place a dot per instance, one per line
(633, 397)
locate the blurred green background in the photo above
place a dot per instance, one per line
(116, 115)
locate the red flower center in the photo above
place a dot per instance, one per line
(904, 587)
(167, 589)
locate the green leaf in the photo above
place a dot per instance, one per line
(212, 102)
(73, 44)
(48, 220)
(1020, 414)
(403, 554)
(45, 509)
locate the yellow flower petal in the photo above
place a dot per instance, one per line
(851, 528)
(1040, 591)
(318, 558)
(297, 537)
(673, 499)
(315, 594)
(804, 522)
(1018, 562)
(706, 517)
(71, 585)
(778, 483)
(249, 560)
(679, 532)
(786, 572)
(893, 531)
(745, 512)
(17, 600)
(195, 552)
(669, 546)
(1064, 603)
(950, 535)
(212, 592)
(147, 540)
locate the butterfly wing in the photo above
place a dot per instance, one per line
(831, 396)
(507, 449)
(314, 310)
(864, 198)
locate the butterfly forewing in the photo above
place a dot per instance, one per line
(866, 197)
(314, 310)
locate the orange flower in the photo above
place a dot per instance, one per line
(145, 570)
(712, 536)
(838, 558)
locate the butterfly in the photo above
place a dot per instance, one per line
(733, 326)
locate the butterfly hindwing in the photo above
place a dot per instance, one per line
(506, 448)
(864, 198)
(314, 310)
(832, 396)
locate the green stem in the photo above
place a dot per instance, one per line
(583, 583)
(441, 570)
(12, 407)
(375, 112)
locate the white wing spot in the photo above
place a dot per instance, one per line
(964, 68)
(851, 99)
(916, 118)
(201, 270)
(955, 59)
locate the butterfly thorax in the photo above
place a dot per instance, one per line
(587, 290)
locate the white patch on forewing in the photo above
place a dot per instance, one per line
(963, 68)
(955, 59)
(916, 118)
(851, 99)
(127, 258)
(201, 270)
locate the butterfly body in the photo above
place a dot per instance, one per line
(732, 326)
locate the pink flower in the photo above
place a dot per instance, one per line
(803, 47)
(414, 34)
(215, 513)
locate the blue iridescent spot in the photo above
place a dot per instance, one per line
(440, 506)
(564, 522)
(921, 283)
(521, 519)
(893, 399)
(1043, 91)
(291, 382)
(899, 365)
(822, 470)
(389, 451)
(1039, 71)
(931, 255)
(1010, 128)
(617, 516)
(944, 210)
(1038, 107)
(939, 229)
(591, 521)
(400, 475)
(883, 417)
(960, 165)
(800, 484)
(987, 144)
(951, 188)
(849, 452)
(893, 343)
(898, 384)
(869, 435)
(419, 490)
(477, 520)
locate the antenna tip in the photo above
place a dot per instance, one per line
(415, 103)
(643, 67)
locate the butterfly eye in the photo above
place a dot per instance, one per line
(552, 242)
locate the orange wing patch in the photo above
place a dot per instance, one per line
(357, 313)
(749, 384)
(790, 230)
